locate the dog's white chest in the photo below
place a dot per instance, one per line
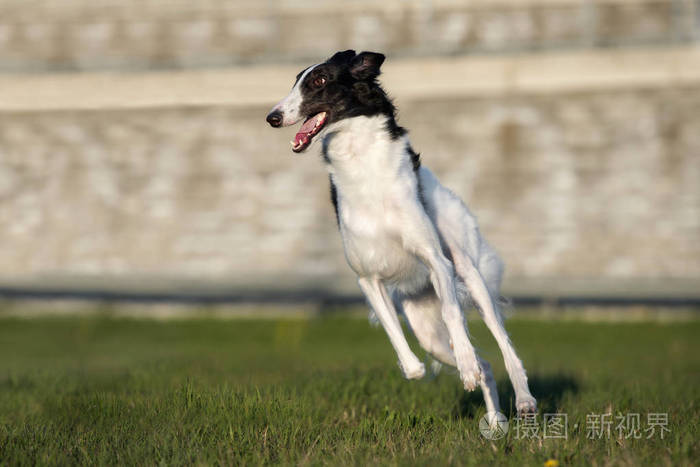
(374, 184)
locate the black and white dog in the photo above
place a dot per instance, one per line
(413, 244)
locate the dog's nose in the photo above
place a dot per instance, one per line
(275, 118)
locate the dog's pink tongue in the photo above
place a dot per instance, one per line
(306, 129)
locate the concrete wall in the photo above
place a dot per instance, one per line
(47, 35)
(598, 179)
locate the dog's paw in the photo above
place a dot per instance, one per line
(526, 405)
(415, 370)
(470, 375)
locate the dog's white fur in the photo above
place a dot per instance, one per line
(289, 106)
(399, 246)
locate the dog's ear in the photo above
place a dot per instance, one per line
(366, 65)
(342, 57)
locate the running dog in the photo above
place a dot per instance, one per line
(414, 245)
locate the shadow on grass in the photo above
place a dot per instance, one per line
(547, 389)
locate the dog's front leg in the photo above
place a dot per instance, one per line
(383, 306)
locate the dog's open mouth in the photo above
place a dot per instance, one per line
(308, 130)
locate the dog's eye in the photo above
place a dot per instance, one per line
(320, 81)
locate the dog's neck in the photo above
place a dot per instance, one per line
(360, 153)
(359, 140)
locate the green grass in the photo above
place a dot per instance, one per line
(326, 391)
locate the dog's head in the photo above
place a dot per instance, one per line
(344, 86)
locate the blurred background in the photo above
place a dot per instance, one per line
(136, 164)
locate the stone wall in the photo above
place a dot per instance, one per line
(597, 183)
(47, 35)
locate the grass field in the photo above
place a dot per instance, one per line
(100, 390)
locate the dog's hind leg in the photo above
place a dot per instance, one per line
(383, 306)
(487, 307)
(423, 315)
(460, 236)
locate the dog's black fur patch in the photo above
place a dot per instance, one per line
(334, 200)
(350, 90)
(415, 161)
(394, 129)
(415, 157)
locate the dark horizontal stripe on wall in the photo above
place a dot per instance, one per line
(320, 297)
